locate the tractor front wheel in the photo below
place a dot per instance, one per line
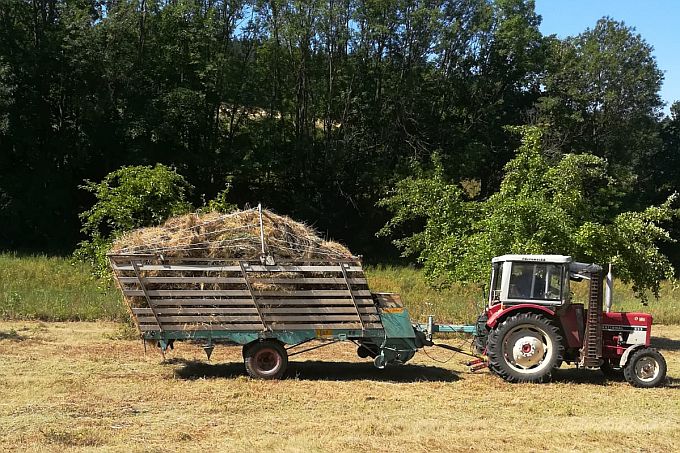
(524, 348)
(266, 359)
(645, 368)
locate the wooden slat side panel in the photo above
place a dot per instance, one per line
(310, 312)
(318, 318)
(238, 292)
(258, 327)
(309, 302)
(314, 293)
(198, 319)
(187, 292)
(310, 281)
(319, 310)
(208, 319)
(181, 311)
(171, 280)
(201, 302)
(188, 303)
(232, 268)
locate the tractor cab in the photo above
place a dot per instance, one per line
(535, 279)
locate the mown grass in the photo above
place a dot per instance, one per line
(54, 289)
(71, 387)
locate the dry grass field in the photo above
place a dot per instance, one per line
(82, 386)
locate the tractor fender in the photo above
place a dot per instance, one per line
(628, 352)
(496, 316)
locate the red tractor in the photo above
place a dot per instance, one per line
(531, 326)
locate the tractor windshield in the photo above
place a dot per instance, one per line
(535, 281)
(496, 282)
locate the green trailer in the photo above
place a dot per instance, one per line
(272, 309)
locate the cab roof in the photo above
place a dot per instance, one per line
(558, 259)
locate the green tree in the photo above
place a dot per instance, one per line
(561, 208)
(129, 198)
(601, 95)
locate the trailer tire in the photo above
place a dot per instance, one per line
(525, 347)
(265, 359)
(645, 368)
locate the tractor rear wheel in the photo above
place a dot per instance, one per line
(645, 368)
(266, 359)
(524, 348)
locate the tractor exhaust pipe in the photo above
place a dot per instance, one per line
(609, 289)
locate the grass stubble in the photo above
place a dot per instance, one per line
(80, 386)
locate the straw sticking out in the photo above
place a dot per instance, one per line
(239, 235)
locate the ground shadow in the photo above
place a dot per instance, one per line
(596, 377)
(321, 371)
(668, 344)
(673, 383)
(580, 376)
(11, 335)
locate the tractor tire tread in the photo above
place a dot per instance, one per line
(494, 346)
(629, 369)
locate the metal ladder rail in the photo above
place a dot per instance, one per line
(135, 267)
(343, 268)
(244, 272)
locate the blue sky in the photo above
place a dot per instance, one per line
(658, 21)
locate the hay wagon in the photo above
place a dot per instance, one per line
(264, 282)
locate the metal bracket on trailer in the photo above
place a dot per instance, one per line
(310, 349)
(135, 267)
(252, 295)
(343, 268)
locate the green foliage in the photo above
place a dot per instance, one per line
(220, 203)
(312, 108)
(55, 289)
(602, 97)
(565, 208)
(129, 198)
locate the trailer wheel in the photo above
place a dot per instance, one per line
(524, 348)
(645, 368)
(266, 359)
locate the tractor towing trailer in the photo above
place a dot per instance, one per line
(273, 310)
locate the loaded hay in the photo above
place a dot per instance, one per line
(231, 236)
(218, 239)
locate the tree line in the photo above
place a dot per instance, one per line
(315, 108)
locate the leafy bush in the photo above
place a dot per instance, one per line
(129, 198)
(220, 202)
(566, 208)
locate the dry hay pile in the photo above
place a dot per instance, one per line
(231, 236)
(206, 237)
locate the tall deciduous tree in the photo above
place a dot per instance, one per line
(540, 208)
(602, 95)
